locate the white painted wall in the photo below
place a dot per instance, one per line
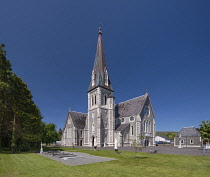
(159, 138)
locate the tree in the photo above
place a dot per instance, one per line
(20, 118)
(205, 130)
(137, 144)
(60, 132)
(171, 135)
(5, 97)
(50, 135)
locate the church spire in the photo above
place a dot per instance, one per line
(100, 74)
(100, 31)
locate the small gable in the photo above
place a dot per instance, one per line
(77, 118)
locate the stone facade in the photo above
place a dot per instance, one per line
(105, 122)
(138, 115)
(100, 121)
(73, 132)
(189, 137)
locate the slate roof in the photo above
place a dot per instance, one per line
(100, 66)
(122, 127)
(188, 131)
(130, 107)
(78, 119)
(123, 109)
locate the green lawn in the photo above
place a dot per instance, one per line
(30, 164)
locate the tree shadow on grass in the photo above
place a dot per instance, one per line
(138, 157)
(8, 151)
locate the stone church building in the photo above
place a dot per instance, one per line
(188, 137)
(107, 122)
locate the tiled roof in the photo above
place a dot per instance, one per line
(130, 107)
(188, 131)
(78, 119)
(122, 127)
(100, 66)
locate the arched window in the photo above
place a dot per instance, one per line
(92, 100)
(191, 141)
(145, 125)
(149, 126)
(131, 118)
(105, 100)
(146, 111)
(131, 130)
(81, 133)
(182, 141)
(106, 77)
(93, 78)
(95, 99)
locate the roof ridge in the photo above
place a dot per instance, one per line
(189, 127)
(78, 112)
(131, 99)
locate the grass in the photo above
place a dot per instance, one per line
(158, 165)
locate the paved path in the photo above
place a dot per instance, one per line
(75, 158)
(197, 151)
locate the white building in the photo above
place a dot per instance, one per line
(161, 139)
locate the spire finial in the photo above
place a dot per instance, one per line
(146, 91)
(100, 30)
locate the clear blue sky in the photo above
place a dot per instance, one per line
(162, 46)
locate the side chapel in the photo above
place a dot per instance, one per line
(106, 121)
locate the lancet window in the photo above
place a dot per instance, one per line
(106, 78)
(93, 78)
(105, 99)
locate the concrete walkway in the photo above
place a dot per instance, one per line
(75, 158)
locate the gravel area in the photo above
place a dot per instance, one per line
(74, 158)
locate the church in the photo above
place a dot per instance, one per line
(107, 122)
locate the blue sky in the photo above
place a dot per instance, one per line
(162, 46)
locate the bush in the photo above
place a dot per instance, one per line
(20, 147)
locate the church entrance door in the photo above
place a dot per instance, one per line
(146, 142)
(93, 139)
